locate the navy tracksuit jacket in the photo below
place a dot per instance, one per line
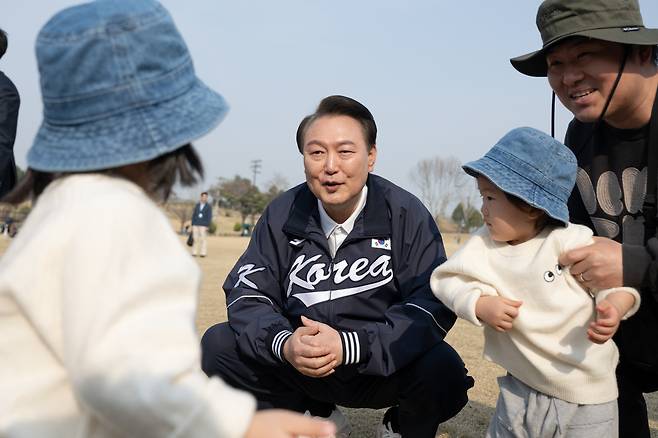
(375, 291)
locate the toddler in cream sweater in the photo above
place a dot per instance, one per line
(540, 323)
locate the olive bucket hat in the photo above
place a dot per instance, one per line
(617, 21)
(118, 88)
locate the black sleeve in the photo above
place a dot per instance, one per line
(9, 104)
(254, 298)
(640, 265)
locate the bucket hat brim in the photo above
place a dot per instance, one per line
(534, 63)
(511, 182)
(134, 136)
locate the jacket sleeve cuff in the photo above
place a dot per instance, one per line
(353, 350)
(635, 260)
(277, 343)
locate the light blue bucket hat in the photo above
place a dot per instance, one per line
(118, 88)
(532, 166)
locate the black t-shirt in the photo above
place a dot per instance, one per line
(608, 197)
(611, 181)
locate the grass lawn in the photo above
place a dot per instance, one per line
(464, 337)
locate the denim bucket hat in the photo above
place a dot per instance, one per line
(532, 166)
(617, 21)
(118, 88)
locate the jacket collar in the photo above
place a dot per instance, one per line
(304, 218)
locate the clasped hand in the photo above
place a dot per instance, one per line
(314, 349)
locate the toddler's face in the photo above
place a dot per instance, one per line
(504, 220)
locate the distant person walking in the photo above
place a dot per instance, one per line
(98, 337)
(9, 103)
(201, 219)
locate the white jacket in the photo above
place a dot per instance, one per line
(547, 347)
(97, 336)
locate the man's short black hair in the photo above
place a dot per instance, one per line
(204, 193)
(3, 42)
(655, 55)
(341, 106)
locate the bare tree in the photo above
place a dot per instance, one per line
(440, 181)
(181, 209)
(278, 182)
(469, 194)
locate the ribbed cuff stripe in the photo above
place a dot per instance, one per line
(351, 348)
(278, 342)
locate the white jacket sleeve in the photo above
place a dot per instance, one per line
(131, 346)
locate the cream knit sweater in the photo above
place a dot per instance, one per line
(547, 347)
(97, 335)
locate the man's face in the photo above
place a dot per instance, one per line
(582, 73)
(336, 163)
(204, 198)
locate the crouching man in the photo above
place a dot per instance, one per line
(330, 304)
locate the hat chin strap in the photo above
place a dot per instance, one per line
(627, 50)
(624, 58)
(553, 114)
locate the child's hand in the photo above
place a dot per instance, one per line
(497, 312)
(606, 324)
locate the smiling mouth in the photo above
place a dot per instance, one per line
(580, 94)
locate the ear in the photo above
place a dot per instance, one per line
(536, 214)
(644, 54)
(372, 157)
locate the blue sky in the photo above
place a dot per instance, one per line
(435, 74)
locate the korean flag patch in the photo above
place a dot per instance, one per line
(381, 244)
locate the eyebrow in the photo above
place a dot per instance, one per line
(579, 42)
(319, 143)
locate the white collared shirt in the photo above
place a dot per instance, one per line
(336, 233)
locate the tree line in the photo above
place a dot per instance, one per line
(441, 183)
(238, 193)
(442, 186)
